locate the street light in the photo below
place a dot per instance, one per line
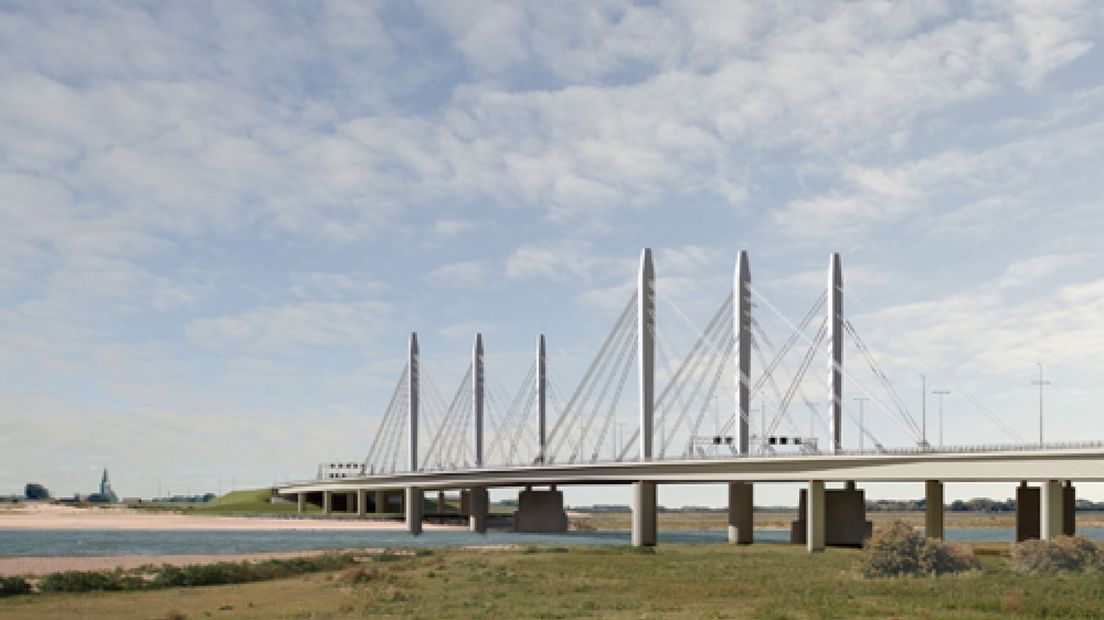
(941, 394)
(1040, 382)
(862, 429)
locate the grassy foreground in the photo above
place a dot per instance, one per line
(766, 581)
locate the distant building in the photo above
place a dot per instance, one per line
(106, 494)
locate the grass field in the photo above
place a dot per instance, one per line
(765, 581)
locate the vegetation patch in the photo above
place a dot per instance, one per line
(900, 551)
(1072, 554)
(12, 586)
(168, 576)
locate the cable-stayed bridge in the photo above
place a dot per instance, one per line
(699, 426)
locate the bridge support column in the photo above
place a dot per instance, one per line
(1051, 507)
(441, 502)
(933, 509)
(414, 510)
(741, 517)
(301, 502)
(1069, 509)
(644, 514)
(381, 501)
(327, 502)
(362, 502)
(477, 522)
(1027, 512)
(815, 517)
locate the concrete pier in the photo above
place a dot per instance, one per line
(480, 505)
(816, 516)
(414, 510)
(301, 502)
(845, 518)
(644, 514)
(741, 518)
(441, 505)
(1027, 512)
(362, 502)
(540, 511)
(327, 502)
(933, 509)
(1069, 509)
(1050, 510)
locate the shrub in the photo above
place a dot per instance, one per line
(82, 581)
(1064, 554)
(900, 551)
(11, 586)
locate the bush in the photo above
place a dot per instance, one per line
(85, 581)
(1064, 554)
(900, 551)
(11, 586)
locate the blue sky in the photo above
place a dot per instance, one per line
(221, 220)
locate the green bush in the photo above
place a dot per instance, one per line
(11, 586)
(900, 551)
(88, 581)
(1065, 554)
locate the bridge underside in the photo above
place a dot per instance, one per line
(826, 516)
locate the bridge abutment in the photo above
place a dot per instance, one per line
(644, 514)
(741, 517)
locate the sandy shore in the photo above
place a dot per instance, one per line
(55, 517)
(46, 565)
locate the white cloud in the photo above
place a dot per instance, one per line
(458, 274)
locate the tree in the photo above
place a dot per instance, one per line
(34, 490)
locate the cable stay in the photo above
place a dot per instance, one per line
(794, 335)
(784, 405)
(558, 433)
(970, 397)
(389, 412)
(881, 376)
(450, 413)
(672, 392)
(624, 357)
(555, 436)
(846, 375)
(725, 357)
(758, 335)
(625, 364)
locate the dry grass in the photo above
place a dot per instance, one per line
(708, 581)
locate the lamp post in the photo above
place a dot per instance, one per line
(941, 394)
(1040, 382)
(862, 429)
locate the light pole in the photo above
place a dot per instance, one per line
(941, 394)
(862, 429)
(923, 411)
(1040, 382)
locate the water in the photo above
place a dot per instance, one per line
(151, 542)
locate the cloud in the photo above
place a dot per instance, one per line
(458, 274)
(289, 326)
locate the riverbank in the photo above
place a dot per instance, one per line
(57, 517)
(672, 581)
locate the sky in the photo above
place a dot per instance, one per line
(222, 220)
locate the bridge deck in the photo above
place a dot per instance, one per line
(1084, 465)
